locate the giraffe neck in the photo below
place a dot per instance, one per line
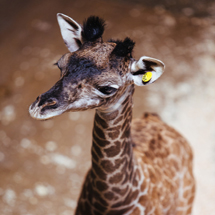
(113, 173)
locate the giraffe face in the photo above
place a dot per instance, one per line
(94, 74)
(84, 84)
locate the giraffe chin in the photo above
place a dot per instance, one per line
(36, 113)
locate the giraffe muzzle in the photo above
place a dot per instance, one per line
(39, 108)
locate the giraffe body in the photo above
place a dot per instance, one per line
(166, 158)
(140, 167)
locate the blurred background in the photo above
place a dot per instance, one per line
(43, 163)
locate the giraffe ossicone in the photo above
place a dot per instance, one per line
(139, 167)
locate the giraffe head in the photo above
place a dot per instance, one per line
(94, 74)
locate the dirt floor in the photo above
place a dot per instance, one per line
(43, 163)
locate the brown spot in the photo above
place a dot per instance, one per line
(101, 174)
(187, 180)
(189, 210)
(99, 198)
(109, 195)
(126, 100)
(159, 211)
(149, 207)
(100, 207)
(124, 124)
(88, 208)
(113, 150)
(160, 138)
(131, 196)
(135, 182)
(108, 165)
(117, 212)
(154, 193)
(175, 164)
(119, 191)
(127, 148)
(82, 208)
(100, 121)
(180, 212)
(83, 193)
(101, 186)
(171, 172)
(152, 144)
(126, 178)
(99, 141)
(150, 155)
(128, 114)
(126, 132)
(95, 213)
(112, 115)
(99, 132)
(131, 165)
(143, 199)
(193, 189)
(143, 186)
(114, 128)
(165, 202)
(124, 109)
(116, 178)
(158, 172)
(114, 135)
(125, 165)
(93, 176)
(97, 150)
(118, 120)
(190, 200)
(138, 173)
(95, 157)
(136, 211)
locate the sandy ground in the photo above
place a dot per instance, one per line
(43, 164)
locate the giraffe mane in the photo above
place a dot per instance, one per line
(93, 28)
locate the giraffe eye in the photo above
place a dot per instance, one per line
(107, 90)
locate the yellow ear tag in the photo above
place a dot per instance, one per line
(147, 77)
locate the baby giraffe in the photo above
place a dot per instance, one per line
(140, 167)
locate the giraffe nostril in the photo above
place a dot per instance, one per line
(50, 104)
(37, 99)
(46, 100)
(51, 101)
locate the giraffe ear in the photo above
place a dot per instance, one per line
(70, 31)
(146, 70)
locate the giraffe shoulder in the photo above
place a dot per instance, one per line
(145, 128)
(154, 138)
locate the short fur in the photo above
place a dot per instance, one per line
(123, 48)
(93, 28)
(76, 72)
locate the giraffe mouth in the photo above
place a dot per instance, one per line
(46, 110)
